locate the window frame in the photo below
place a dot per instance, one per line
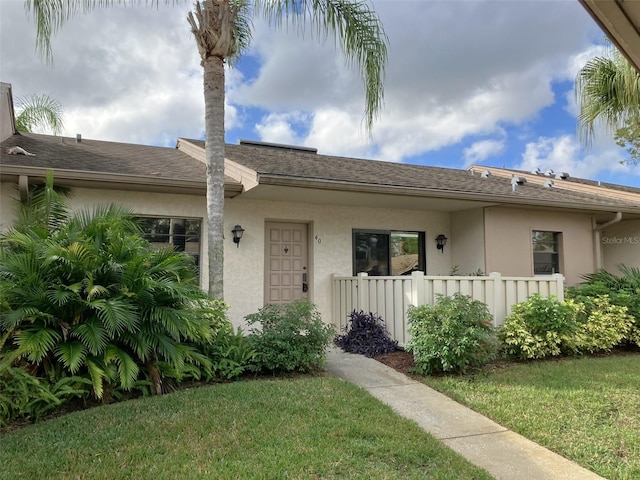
(356, 245)
(555, 253)
(156, 239)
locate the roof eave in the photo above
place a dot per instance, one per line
(114, 181)
(279, 180)
(616, 22)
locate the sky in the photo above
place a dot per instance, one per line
(487, 82)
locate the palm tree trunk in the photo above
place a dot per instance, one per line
(214, 154)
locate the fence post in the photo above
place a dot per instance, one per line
(559, 278)
(417, 288)
(498, 299)
(363, 293)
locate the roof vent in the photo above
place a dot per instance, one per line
(78, 138)
(485, 174)
(515, 181)
(255, 143)
(562, 176)
(536, 171)
(548, 183)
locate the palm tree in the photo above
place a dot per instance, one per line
(39, 111)
(222, 30)
(608, 94)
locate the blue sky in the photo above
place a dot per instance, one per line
(470, 81)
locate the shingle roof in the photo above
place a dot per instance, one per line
(160, 163)
(305, 165)
(64, 153)
(585, 181)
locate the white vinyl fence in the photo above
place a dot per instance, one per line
(390, 297)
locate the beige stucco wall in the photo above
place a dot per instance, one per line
(620, 244)
(330, 245)
(509, 248)
(8, 193)
(6, 109)
(330, 237)
(467, 241)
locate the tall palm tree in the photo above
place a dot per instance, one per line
(39, 111)
(222, 30)
(608, 93)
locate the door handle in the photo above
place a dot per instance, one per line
(305, 286)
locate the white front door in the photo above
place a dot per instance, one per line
(286, 265)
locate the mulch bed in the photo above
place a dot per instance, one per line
(399, 360)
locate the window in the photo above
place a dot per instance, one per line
(181, 233)
(377, 252)
(546, 252)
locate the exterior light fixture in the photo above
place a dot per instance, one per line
(441, 241)
(237, 234)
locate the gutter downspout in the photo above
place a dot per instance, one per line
(597, 230)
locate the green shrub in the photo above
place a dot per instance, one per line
(602, 325)
(541, 327)
(454, 335)
(85, 295)
(289, 338)
(231, 355)
(23, 396)
(623, 291)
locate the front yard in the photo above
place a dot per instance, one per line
(586, 409)
(302, 428)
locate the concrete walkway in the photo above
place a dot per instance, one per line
(503, 453)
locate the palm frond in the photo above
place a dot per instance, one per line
(37, 341)
(98, 374)
(128, 370)
(115, 314)
(71, 354)
(11, 319)
(92, 335)
(607, 90)
(354, 26)
(39, 112)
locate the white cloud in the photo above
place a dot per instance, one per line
(480, 151)
(278, 128)
(123, 74)
(563, 154)
(457, 70)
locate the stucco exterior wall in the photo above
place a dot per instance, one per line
(620, 244)
(330, 245)
(467, 241)
(330, 237)
(8, 195)
(509, 247)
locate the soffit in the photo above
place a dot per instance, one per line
(620, 19)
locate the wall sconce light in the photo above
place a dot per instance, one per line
(441, 241)
(237, 234)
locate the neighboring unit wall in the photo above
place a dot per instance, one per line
(509, 246)
(330, 245)
(467, 241)
(621, 245)
(8, 205)
(6, 111)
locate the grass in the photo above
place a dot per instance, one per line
(586, 409)
(302, 428)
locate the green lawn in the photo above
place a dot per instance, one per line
(586, 409)
(303, 428)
